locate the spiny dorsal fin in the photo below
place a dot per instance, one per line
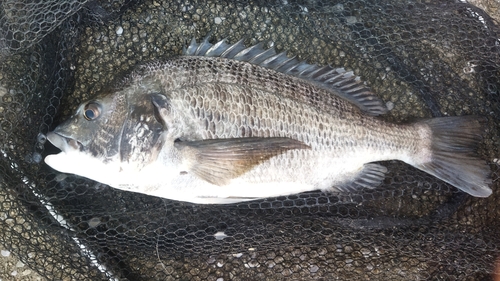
(219, 160)
(336, 80)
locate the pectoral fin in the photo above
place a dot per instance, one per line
(219, 160)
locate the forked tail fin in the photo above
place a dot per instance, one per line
(453, 156)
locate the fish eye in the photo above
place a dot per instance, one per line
(91, 111)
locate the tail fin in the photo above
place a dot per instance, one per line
(453, 158)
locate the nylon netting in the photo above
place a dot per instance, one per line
(424, 58)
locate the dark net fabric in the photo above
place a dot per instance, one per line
(424, 58)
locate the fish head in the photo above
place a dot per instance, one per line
(108, 136)
(90, 139)
(94, 128)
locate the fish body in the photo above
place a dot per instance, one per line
(225, 123)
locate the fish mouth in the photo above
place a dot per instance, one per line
(64, 143)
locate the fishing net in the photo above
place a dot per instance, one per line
(423, 58)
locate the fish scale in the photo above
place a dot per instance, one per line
(226, 123)
(283, 114)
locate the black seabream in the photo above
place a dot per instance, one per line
(226, 123)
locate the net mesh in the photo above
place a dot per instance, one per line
(424, 58)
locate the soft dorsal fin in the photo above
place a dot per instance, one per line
(336, 80)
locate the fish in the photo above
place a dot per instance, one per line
(226, 123)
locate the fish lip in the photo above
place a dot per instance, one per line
(64, 143)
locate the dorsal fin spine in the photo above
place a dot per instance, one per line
(234, 49)
(260, 57)
(215, 50)
(337, 81)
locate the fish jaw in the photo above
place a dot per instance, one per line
(65, 144)
(74, 160)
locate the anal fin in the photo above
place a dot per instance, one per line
(370, 176)
(219, 160)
